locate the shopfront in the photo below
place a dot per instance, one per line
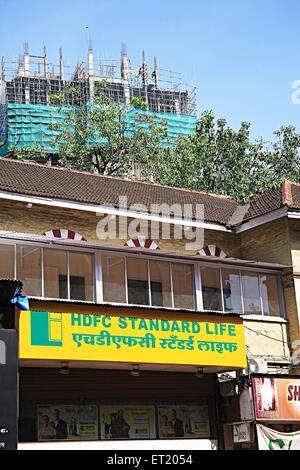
(100, 373)
(277, 411)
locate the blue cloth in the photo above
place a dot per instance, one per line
(21, 301)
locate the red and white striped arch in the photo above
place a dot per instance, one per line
(65, 234)
(212, 250)
(141, 242)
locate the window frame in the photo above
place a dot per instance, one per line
(127, 256)
(43, 246)
(97, 254)
(240, 269)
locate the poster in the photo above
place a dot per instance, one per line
(242, 432)
(277, 398)
(67, 422)
(268, 439)
(127, 422)
(190, 421)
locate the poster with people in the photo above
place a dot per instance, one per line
(67, 422)
(127, 422)
(183, 422)
(266, 397)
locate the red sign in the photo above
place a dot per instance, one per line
(276, 399)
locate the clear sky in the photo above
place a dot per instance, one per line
(242, 54)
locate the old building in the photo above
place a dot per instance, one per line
(150, 306)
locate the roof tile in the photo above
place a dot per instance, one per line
(34, 179)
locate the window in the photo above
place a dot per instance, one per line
(7, 256)
(269, 293)
(113, 279)
(240, 292)
(232, 291)
(148, 282)
(29, 269)
(183, 285)
(81, 276)
(79, 285)
(137, 281)
(160, 282)
(211, 289)
(251, 293)
(55, 274)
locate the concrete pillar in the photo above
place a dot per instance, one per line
(46, 71)
(125, 72)
(91, 73)
(61, 64)
(26, 61)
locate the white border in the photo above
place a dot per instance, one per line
(162, 444)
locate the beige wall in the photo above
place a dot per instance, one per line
(268, 243)
(266, 338)
(15, 216)
(294, 232)
(293, 281)
(265, 243)
(276, 242)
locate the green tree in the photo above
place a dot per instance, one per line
(221, 160)
(104, 137)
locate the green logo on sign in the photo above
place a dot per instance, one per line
(46, 329)
(275, 443)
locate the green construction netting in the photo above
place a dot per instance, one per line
(27, 125)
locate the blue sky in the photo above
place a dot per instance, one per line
(242, 54)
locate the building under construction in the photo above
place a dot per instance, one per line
(32, 91)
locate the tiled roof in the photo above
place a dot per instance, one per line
(32, 179)
(264, 203)
(44, 181)
(287, 195)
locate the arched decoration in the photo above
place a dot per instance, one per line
(65, 234)
(212, 250)
(141, 242)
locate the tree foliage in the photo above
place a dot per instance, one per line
(221, 160)
(104, 137)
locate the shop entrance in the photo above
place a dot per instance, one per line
(104, 405)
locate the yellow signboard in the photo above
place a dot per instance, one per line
(114, 335)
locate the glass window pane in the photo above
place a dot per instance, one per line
(211, 289)
(113, 278)
(137, 279)
(183, 285)
(29, 269)
(269, 293)
(6, 262)
(251, 296)
(160, 284)
(55, 274)
(81, 276)
(232, 291)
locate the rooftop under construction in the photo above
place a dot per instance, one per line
(34, 80)
(32, 89)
